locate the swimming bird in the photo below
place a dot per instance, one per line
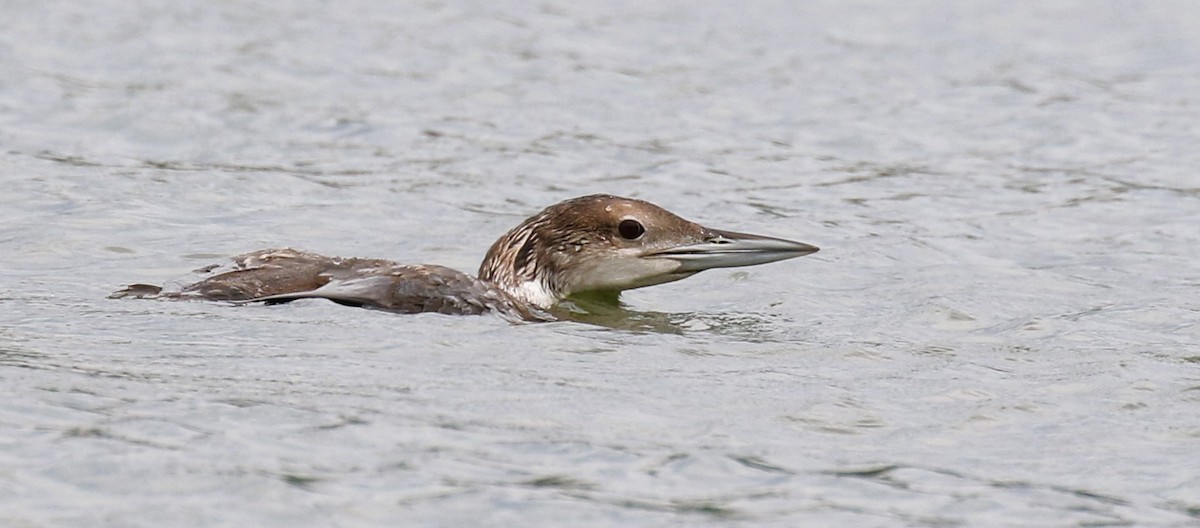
(591, 245)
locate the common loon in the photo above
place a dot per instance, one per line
(598, 244)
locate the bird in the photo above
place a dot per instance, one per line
(596, 245)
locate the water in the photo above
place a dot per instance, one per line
(1001, 326)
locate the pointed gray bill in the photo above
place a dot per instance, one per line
(727, 249)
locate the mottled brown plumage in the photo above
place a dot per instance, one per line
(597, 243)
(276, 276)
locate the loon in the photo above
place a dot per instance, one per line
(591, 245)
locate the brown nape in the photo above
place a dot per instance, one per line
(600, 243)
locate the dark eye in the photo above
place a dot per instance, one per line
(630, 229)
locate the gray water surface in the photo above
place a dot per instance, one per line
(1001, 327)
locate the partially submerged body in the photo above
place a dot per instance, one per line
(276, 276)
(596, 245)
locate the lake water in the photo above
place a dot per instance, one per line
(1001, 327)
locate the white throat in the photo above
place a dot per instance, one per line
(536, 293)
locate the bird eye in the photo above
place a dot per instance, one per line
(630, 229)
